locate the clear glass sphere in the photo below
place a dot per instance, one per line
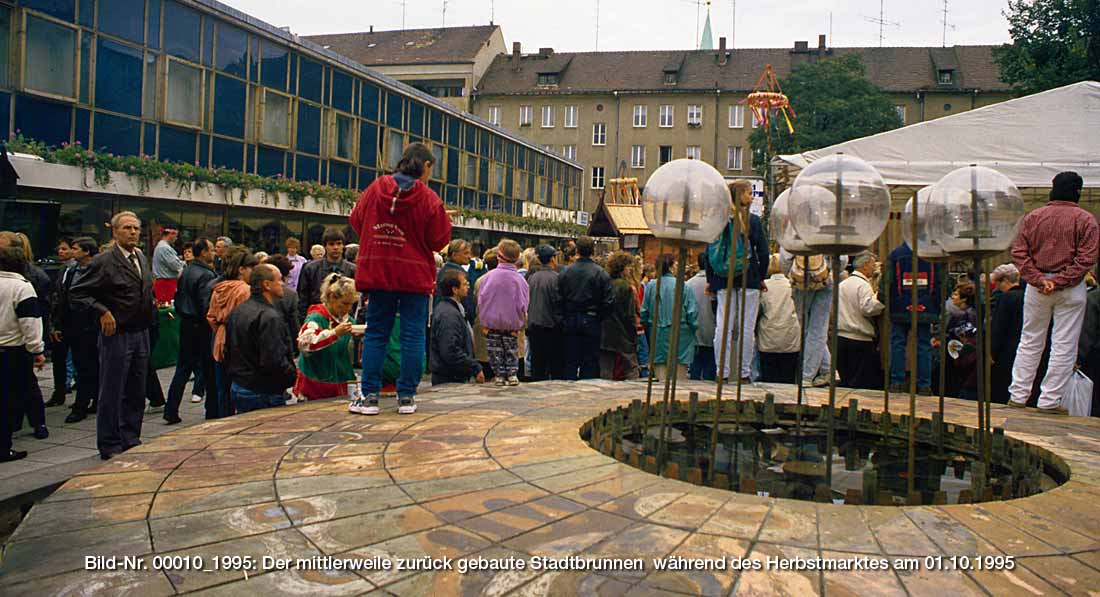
(686, 200)
(779, 222)
(927, 247)
(839, 205)
(975, 211)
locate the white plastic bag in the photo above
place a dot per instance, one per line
(1078, 396)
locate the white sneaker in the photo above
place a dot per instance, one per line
(195, 399)
(513, 380)
(292, 399)
(406, 405)
(500, 381)
(370, 405)
(356, 407)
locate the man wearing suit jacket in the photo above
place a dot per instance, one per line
(118, 288)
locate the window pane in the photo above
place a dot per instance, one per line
(395, 147)
(51, 57)
(124, 18)
(184, 101)
(149, 102)
(471, 171)
(118, 75)
(5, 34)
(437, 165)
(345, 136)
(498, 178)
(181, 31)
(231, 50)
(276, 116)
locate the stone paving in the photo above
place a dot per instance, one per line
(502, 472)
(71, 447)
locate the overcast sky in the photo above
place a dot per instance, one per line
(570, 25)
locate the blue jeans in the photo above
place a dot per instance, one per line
(643, 352)
(899, 335)
(703, 366)
(245, 400)
(582, 346)
(818, 304)
(381, 309)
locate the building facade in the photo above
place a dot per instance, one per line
(631, 112)
(198, 82)
(446, 62)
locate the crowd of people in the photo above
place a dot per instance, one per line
(260, 330)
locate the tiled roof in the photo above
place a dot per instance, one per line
(447, 45)
(891, 69)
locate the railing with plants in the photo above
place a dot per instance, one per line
(146, 169)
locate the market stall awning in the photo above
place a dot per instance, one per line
(1029, 139)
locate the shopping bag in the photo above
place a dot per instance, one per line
(1078, 396)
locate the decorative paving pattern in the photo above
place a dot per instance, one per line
(498, 473)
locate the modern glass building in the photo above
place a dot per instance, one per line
(202, 83)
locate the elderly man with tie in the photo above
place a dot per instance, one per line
(118, 289)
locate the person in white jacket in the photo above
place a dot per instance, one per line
(21, 343)
(857, 361)
(778, 331)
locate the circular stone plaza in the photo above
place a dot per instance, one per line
(493, 491)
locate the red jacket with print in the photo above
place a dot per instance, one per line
(398, 232)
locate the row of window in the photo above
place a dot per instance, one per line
(666, 116)
(205, 76)
(734, 159)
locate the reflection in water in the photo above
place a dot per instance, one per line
(778, 462)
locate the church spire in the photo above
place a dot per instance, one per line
(707, 41)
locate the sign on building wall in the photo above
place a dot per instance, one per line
(554, 214)
(630, 241)
(582, 218)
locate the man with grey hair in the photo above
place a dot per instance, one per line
(1006, 326)
(118, 288)
(857, 362)
(221, 249)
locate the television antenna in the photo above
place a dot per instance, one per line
(597, 25)
(733, 22)
(946, 24)
(882, 22)
(444, 13)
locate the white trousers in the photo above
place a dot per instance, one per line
(1067, 307)
(752, 305)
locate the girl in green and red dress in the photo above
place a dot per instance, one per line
(324, 365)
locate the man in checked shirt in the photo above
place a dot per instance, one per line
(1057, 245)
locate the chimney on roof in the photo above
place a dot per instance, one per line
(821, 42)
(372, 28)
(515, 56)
(801, 46)
(546, 52)
(723, 57)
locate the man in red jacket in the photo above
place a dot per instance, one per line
(400, 222)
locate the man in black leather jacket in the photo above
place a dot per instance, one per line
(257, 345)
(586, 296)
(192, 293)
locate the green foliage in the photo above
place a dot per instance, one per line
(146, 169)
(1054, 43)
(834, 102)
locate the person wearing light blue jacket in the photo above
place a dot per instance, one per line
(688, 318)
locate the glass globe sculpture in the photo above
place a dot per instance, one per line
(779, 222)
(686, 201)
(974, 211)
(927, 248)
(839, 205)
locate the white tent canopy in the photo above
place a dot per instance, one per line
(1029, 139)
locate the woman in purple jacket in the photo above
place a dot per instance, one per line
(502, 309)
